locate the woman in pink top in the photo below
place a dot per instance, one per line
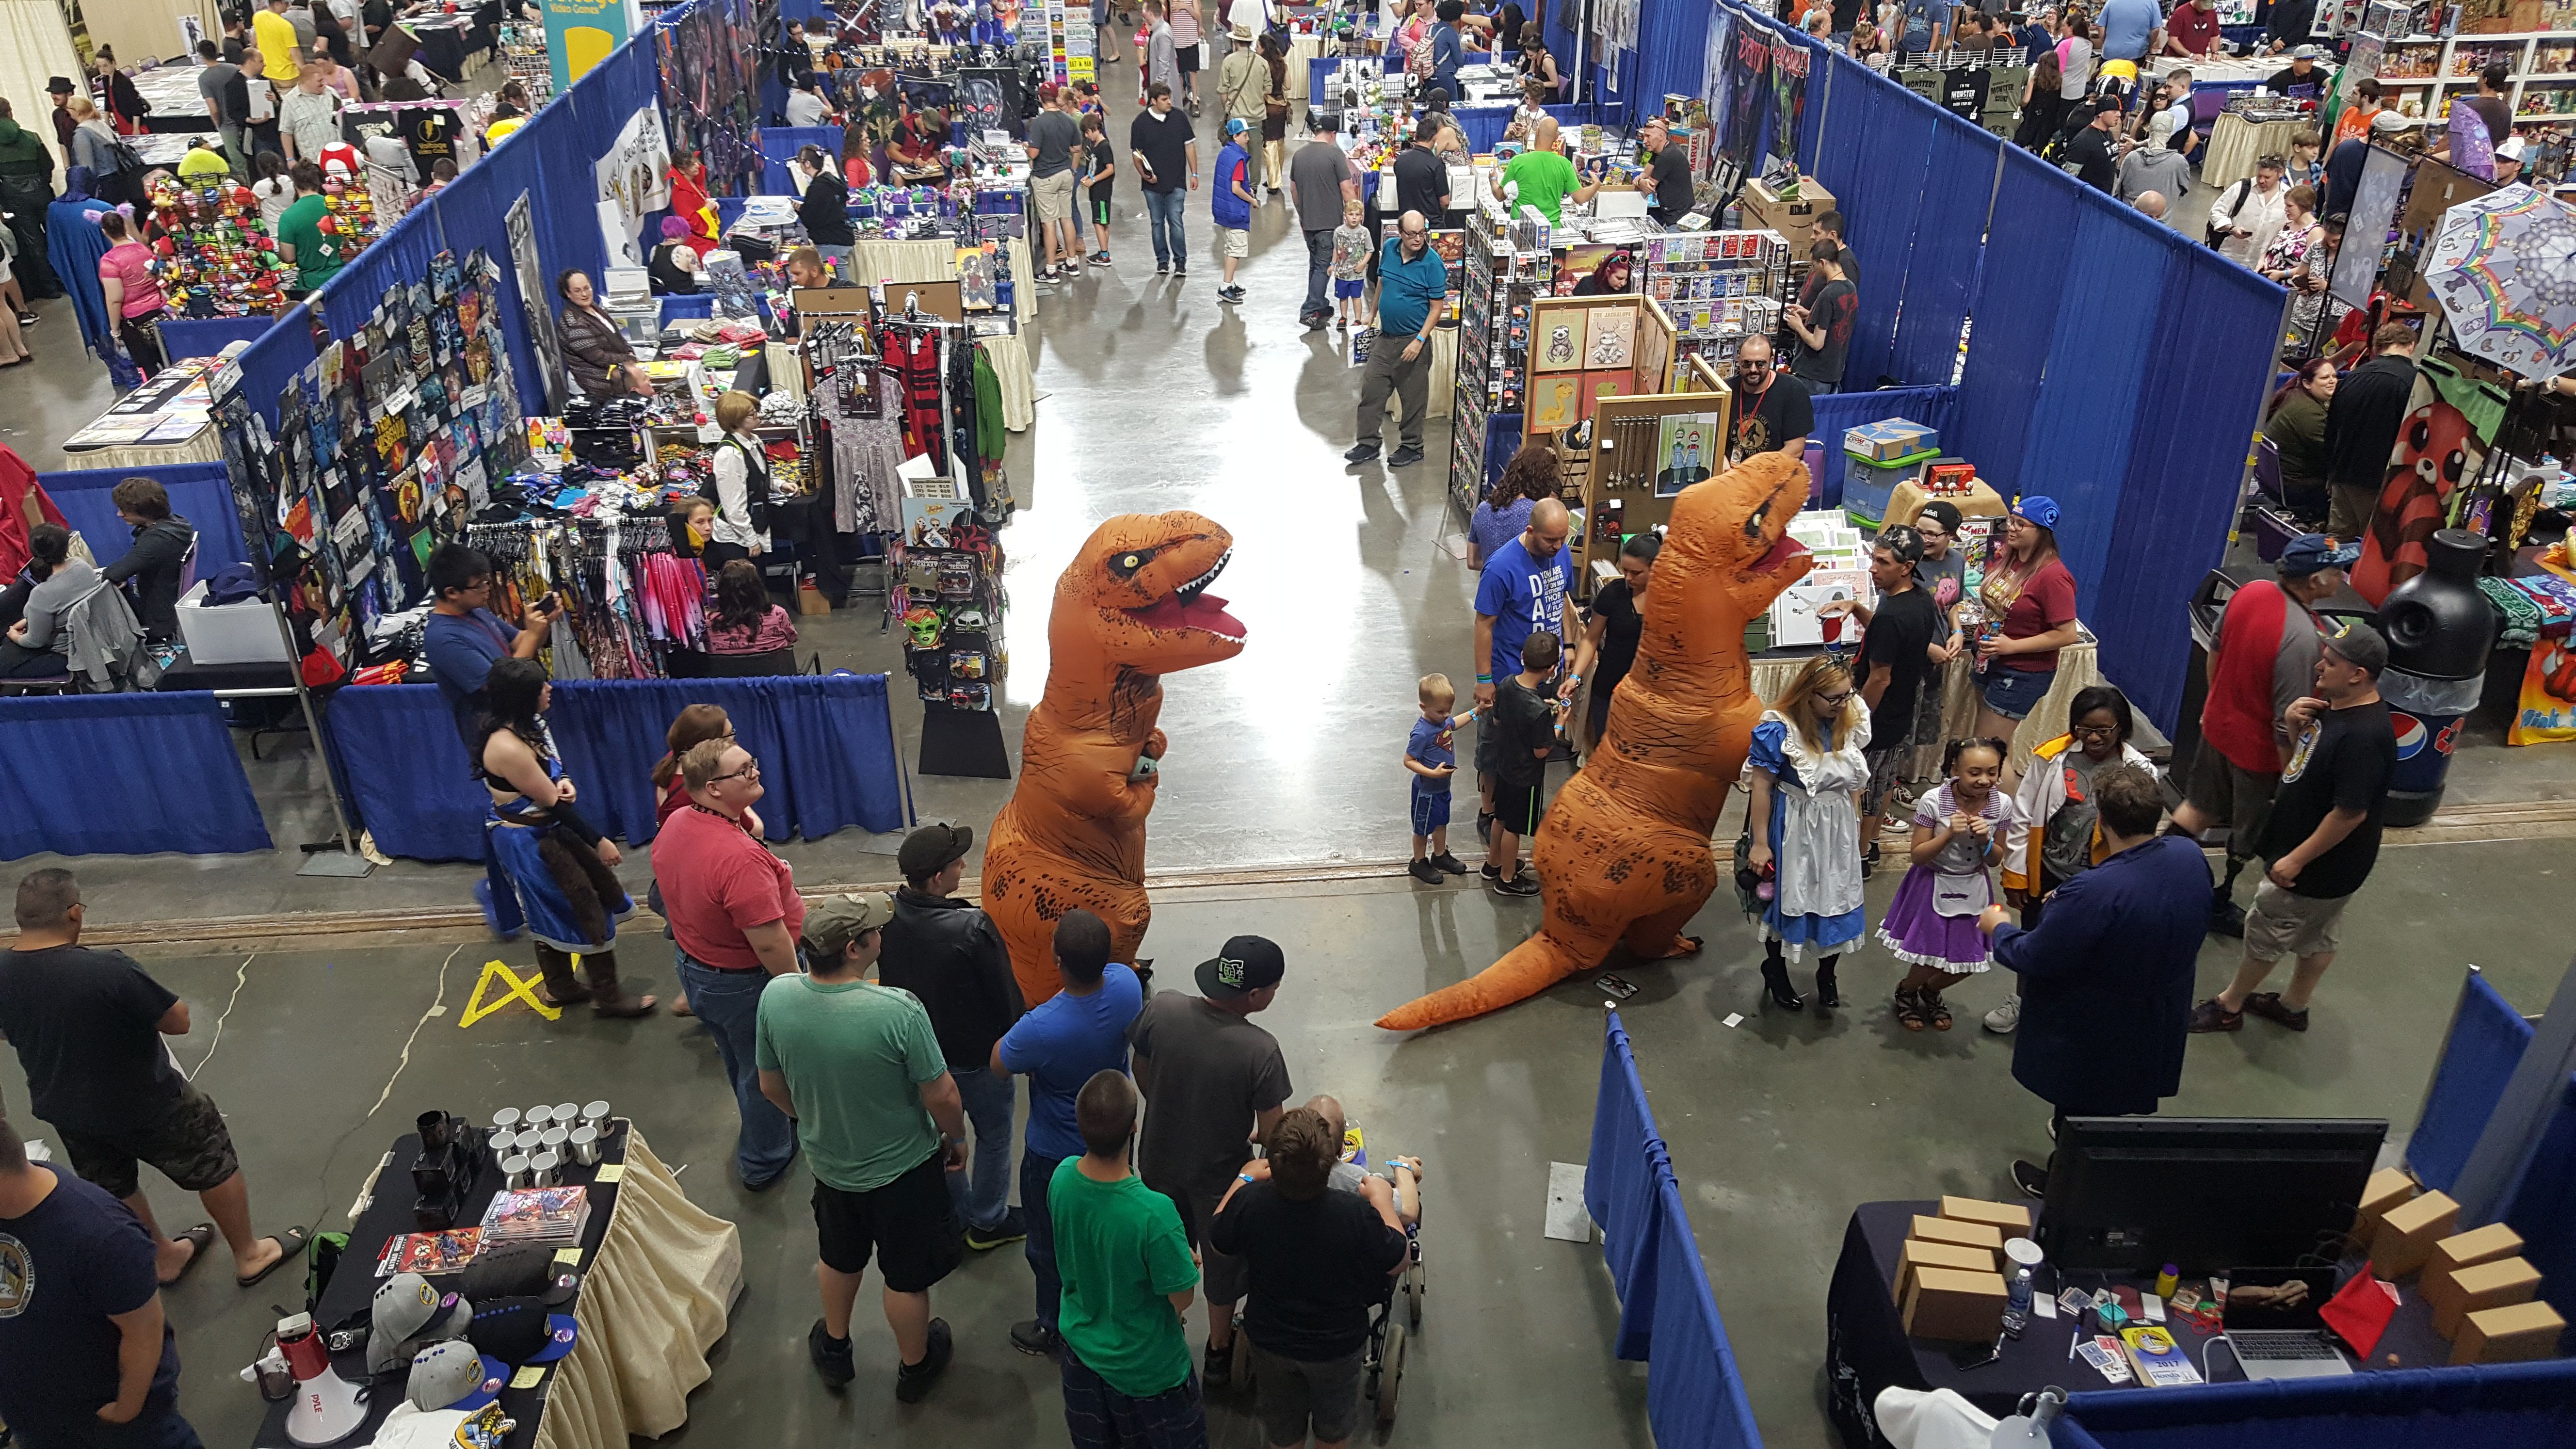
(133, 297)
(744, 621)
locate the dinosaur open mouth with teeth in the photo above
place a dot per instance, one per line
(1191, 606)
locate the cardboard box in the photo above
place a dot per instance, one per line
(243, 633)
(1795, 221)
(2482, 1286)
(1918, 1254)
(2481, 1245)
(1971, 1235)
(2011, 1216)
(1894, 438)
(2387, 1187)
(1947, 1303)
(2408, 1231)
(2517, 1334)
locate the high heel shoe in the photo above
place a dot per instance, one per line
(1827, 998)
(1776, 988)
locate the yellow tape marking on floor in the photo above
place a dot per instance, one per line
(520, 989)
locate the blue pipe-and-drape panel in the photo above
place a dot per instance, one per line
(781, 143)
(124, 774)
(2543, 1210)
(1839, 412)
(2486, 1044)
(207, 336)
(1622, 1183)
(202, 493)
(2488, 1406)
(2019, 287)
(1949, 242)
(1695, 1397)
(1672, 42)
(1879, 146)
(824, 743)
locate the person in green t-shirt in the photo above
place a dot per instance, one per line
(1545, 177)
(317, 254)
(1128, 1281)
(858, 1068)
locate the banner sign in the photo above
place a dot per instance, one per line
(1788, 101)
(581, 33)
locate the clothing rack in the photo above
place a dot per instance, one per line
(830, 347)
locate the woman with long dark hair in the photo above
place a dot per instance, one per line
(2297, 432)
(536, 845)
(2029, 603)
(1608, 648)
(2043, 102)
(744, 620)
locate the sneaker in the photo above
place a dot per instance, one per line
(1404, 457)
(2004, 1018)
(1162, 269)
(2030, 1177)
(1519, 885)
(1229, 294)
(1180, 269)
(1032, 1337)
(1360, 453)
(2226, 918)
(831, 1356)
(1425, 872)
(1216, 1367)
(912, 1382)
(28, 319)
(2267, 1005)
(1492, 874)
(1449, 864)
(2210, 1016)
(1098, 259)
(1011, 1229)
(1314, 324)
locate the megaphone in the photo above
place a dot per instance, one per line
(327, 1408)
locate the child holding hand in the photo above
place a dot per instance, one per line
(1960, 828)
(1433, 758)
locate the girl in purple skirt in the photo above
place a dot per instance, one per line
(1959, 831)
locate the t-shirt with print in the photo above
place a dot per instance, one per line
(1962, 853)
(717, 882)
(2044, 601)
(1899, 634)
(87, 1028)
(1316, 1268)
(1622, 627)
(1522, 596)
(1524, 724)
(1544, 178)
(1063, 1042)
(1945, 578)
(1101, 173)
(1834, 310)
(856, 1056)
(1780, 412)
(1122, 1253)
(1434, 744)
(66, 1265)
(1207, 1074)
(2341, 761)
(1351, 247)
(429, 133)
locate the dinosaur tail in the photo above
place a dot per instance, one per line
(1528, 969)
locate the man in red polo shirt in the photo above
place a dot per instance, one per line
(2263, 660)
(735, 914)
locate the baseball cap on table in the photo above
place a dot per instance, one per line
(406, 1313)
(452, 1375)
(833, 922)
(2358, 643)
(933, 848)
(2312, 552)
(513, 1330)
(1247, 964)
(2038, 508)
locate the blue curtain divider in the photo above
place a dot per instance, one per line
(1949, 242)
(2486, 1043)
(202, 493)
(2495, 1406)
(2018, 292)
(207, 336)
(1619, 1189)
(781, 143)
(2543, 1211)
(125, 774)
(825, 745)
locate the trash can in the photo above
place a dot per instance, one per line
(2439, 629)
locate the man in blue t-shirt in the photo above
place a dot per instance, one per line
(77, 1288)
(464, 638)
(1522, 592)
(1413, 289)
(1060, 1044)
(2129, 27)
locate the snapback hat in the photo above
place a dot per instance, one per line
(934, 847)
(2312, 553)
(406, 1314)
(561, 1334)
(453, 1376)
(1247, 964)
(2358, 643)
(508, 1272)
(1941, 511)
(833, 922)
(513, 1330)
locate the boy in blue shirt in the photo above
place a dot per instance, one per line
(1433, 759)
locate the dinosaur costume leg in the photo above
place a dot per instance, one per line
(1027, 891)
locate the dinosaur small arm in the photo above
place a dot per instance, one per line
(1131, 607)
(1623, 852)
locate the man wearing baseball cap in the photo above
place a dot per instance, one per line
(857, 1066)
(950, 956)
(1214, 1084)
(2323, 834)
(2261, 663)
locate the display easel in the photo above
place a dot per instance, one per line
(1646, 450)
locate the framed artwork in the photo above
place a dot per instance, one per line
(1556, 339)
(1610, 337)
(1688, 447)
(1598, 385)
(1555, 401)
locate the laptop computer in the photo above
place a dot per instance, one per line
(2273, 1322)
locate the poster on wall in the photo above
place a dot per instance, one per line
(1788, 101)
(581, 33)
(1715, 77)
(533, 299)
(1747, 96)
(634, 180)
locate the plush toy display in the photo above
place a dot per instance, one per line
(1623, 852)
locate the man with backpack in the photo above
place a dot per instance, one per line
(2250, 213)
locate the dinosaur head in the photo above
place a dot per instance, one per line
(1732, 531)
(1136, 595)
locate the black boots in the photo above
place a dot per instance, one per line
(1775, 985)
(1828, 998)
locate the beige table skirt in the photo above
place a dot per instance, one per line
(2235, 144)
(203, 447)
(654, 1302)
(1444, 375)
(1010, 355)
(897, 262)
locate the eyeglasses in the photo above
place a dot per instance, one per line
(2096, 732)
(749, 771)
(1411, 233)
(1835, 701)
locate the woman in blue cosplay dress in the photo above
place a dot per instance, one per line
(541, 851)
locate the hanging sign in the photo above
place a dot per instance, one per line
(581, 33)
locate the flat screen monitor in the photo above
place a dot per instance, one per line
(2130, 1194)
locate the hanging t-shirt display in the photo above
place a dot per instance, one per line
(429, 133)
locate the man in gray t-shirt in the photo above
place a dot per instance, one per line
(1214, 1084)
(1320, 179)
(1054, 138)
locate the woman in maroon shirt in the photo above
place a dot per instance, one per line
(2031, 596)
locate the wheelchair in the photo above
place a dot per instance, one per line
(1393, 1321)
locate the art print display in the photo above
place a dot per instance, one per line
(1557, 339)
(1688, 447)
(1555, 401)
(1788, 102)
(1610, 337)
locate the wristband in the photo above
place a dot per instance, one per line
(1484, 679)
(1247, 1177)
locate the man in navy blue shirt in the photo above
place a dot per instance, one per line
(2106, 976)
(464, 638)
(1413, 285)
(90, 1358)
(1059, 1045)
(1448, 49)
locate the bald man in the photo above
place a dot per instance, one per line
(1521, 593)
(2151, 203)
(1413, 288)
(1542, 176)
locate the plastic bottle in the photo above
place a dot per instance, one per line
(2020, 1296)
(2166, 1280)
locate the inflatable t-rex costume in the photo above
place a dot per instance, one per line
(1623, 853)
(1131, 607)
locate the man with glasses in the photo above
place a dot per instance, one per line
(735, 917)
(1413, 285)
(464, 638)
(1773, 413)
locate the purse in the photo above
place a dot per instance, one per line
(1748, 881)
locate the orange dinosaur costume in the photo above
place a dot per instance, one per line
(1623, 853)
(1131, 607)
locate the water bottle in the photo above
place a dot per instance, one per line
(2020, 1297)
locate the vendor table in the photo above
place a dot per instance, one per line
(163, 421)
(2237, 75)
(659, 1276)
(171, 90)
(448, 43)
(2236, 143)
(1866, 1348)
(936, 261)
(2078, 668)
(1303, 52)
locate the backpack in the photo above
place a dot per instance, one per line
(2235, 197)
